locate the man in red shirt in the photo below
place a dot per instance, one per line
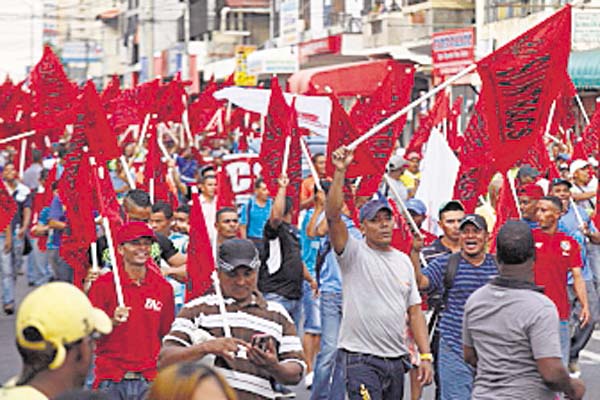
(555, 254)
(126, 360)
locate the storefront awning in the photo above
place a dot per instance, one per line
(361, 78)
(584, 69)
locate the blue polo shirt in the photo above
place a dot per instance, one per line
(467, 280)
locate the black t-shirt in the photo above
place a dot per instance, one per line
(163, 248)
(287, 281)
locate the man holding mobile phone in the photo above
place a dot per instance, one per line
(263, 346)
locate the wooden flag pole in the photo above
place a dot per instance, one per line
(22, 157)
(17, 137)
(582, 109)
(286, 155)
(127, 170)
(143, 132)
(413, 104)
(406, 214)
(311, 166)
(577, 214)
(109, 238)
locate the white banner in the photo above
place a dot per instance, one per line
(314, 112)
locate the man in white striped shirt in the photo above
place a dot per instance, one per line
(264, 345)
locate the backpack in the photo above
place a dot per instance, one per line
(449, 276)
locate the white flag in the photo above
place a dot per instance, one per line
(439, 169)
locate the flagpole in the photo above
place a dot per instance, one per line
(406, 214)
(215, 278)
(108, 234)
(17, 137)
(413, 104)
(550, 118)
(186, 122)
(286, 155)
(582, 109)
(311, 166)
(127, 170)
(513, 190)
(143, 132)
(577, 214)
(22, 156)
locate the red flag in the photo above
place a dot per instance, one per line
(111, 92)
(155, 170)
(53, 94)
(506, 209)
(438, 112)
(520, 83)
(342, 132)
(77, 198)
(171, 106)
(225, 195)
(294, 171)
(402, 236)
(538, 157)
(200, 260)
(277, 129)
(8, 207)
(92, 119)
(475, 158)
(455, 141)
(587, 144)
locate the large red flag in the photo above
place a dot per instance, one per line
(476, 167)
(76, 194)
(8, 207)
(520, 82)
(402, 236)
(92, 119)
(455, 141)
(200, 260)
(277, 129)
(54, 96)
(294, 170)
(587, 144)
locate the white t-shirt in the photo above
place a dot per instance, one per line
(378, 288)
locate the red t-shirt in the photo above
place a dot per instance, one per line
(133, 346)
(555, 255)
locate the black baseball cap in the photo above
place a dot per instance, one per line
(452, 205)
(235, 253)
(561, 181)
(474, 219)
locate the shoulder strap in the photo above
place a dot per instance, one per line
(450, 274)
(248, 208)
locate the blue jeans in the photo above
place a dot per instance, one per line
(135, 389)
(456, 376)
(565, 340)
(38, 269)
(293, 307)
(8, 274)
(62, 271)
(311, 312)
(581, 335)
(372, 377)
(328, 383)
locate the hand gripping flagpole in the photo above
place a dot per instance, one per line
(406, 214)
(311, 166)
(109, 239)
(415, 103)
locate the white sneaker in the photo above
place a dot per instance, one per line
(308, 379)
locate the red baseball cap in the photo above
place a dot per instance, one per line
(531, 190)
(134, 230)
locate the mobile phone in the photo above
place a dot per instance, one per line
(261, 341)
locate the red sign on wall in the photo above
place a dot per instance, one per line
(327, 45)
(452, 51)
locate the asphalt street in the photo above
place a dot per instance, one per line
(10, 363)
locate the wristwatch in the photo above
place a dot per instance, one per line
(426, 357)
